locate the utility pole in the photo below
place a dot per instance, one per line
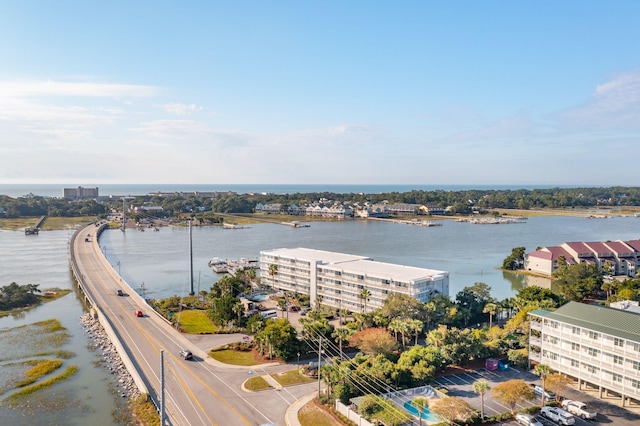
(162, 415)
(319, 361)
(124, 214)
(191, 293)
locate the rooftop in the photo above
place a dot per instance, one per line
(602, 319)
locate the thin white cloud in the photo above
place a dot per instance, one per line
(614, 106)
(181, 109)
(21, 89)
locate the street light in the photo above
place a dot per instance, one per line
(298, 362)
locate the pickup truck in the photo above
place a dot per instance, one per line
(578, 408)
(558, 415)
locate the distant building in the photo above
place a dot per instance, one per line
(338, 279)
(80, 193)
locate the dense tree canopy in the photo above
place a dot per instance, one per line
(18, 296)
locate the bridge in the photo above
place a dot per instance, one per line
(197, 392)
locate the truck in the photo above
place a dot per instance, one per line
(578, 408)
(558, 415)
(271, 313)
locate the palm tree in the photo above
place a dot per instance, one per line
(342, 334)
(416, 326)
(481, 387)
(491, 309)
(420, 403)
(430, 309)
(364, 295)
(273, 271)
(542, 370)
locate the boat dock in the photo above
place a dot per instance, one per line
(34, 230)
(229, 266)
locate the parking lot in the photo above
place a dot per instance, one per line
(461, 385)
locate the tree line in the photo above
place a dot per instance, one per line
(459, 202)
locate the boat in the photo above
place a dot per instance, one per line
(232, 226)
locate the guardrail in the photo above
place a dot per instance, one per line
(104, 319)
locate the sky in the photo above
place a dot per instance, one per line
(320, 92)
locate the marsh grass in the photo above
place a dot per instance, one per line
(16, 396)
(51, 223)
(41, 369)
(30, 340)
(144, 411)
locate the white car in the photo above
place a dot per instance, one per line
(558, 415)
(527, 420)
(578, 408)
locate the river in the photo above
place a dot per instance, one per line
(159, 262)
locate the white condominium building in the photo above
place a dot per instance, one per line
(597, 345)
(339, 280)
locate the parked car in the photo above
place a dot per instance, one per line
(304, 311)
(527, 420)
(294, 308)
(537, 389)
(186, 354)
(579, 409)
(558, 415)
(138, 313)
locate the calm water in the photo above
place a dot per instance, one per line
(42, 259)
(160, 260)
(469, 252)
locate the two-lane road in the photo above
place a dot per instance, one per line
(197, 392)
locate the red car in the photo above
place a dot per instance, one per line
(138, 313)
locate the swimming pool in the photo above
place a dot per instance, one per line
(259, 297)
(426, 414)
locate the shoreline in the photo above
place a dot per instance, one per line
(110, 360)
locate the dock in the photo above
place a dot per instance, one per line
(34, 230)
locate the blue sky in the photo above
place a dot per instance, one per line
(411, 92)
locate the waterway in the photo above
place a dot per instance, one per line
(158, 262)
(86, 397)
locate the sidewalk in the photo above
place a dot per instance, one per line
(291, 416)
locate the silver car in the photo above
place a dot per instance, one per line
(527, 420)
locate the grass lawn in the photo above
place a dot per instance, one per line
(195, 322)
(312, 415)
(292, 377)
(233, 357)
(256, 383)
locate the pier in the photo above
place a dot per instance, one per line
(34, 230)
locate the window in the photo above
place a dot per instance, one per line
(634, 383)
(575, 330)
(575, 363)
(618, 342)
(616, 377)
(593, 335)
(635, 365)
(593, 352)
(575, 346)
(591, 369)
(636, 347)
(617, 359)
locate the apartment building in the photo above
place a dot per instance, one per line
(80, 193)
(338, 280)
(619, 257)
(597, 345)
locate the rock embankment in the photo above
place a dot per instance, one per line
(123, 382)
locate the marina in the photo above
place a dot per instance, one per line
(229, 266)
